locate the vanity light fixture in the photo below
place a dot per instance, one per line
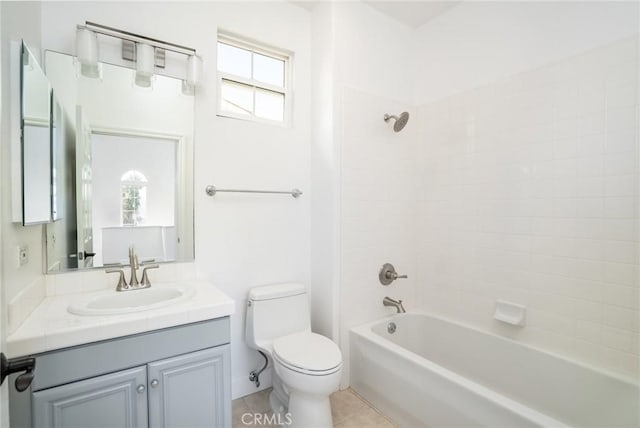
(87, 52)
(145, 64)
(148, 54)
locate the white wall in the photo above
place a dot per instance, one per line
(325, 179)
(20, 20)
(374, 53)
(374, 74)
(476, 43)
(241, 240)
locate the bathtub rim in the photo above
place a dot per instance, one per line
(365, 332)
(365, 329)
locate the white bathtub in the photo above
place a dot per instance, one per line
(436, 373)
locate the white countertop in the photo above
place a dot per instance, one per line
(51, 326)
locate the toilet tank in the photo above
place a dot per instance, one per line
(274, 311)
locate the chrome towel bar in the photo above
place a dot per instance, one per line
(212, 190)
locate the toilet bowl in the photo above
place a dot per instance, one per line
(307, 366)
(310, 366)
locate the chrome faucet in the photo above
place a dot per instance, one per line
(134, 284)
(388, 301)
(133, 263)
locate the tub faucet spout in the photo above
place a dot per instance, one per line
(388, 301)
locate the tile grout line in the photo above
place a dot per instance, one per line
(369, 405)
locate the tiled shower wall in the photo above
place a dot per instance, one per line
(378, 208)
(530, 194)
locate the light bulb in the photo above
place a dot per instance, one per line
(87, 52)
(145, 64)
(194, 75)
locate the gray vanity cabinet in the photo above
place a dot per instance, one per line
(114, 400)
(188, 390)
(172, 378)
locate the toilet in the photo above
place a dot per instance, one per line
(307, 365)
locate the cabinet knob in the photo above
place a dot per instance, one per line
(154, 383)
(141, 389)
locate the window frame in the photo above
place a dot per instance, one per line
(261, 49)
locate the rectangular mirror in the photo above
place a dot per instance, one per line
(124, 176)
(36, 141)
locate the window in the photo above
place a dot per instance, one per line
(133, 186)
(253, 81)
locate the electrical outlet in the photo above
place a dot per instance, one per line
(23, 255)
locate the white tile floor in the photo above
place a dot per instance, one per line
(349, 410)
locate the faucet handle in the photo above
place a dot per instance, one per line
(114, 265)
(146, 262)
(388, 274)
(145, 283)
(122, 284)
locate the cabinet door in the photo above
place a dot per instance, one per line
(191, 390)
(114, 400)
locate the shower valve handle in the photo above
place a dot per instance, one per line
(388, 274)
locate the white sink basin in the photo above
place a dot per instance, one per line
(122, 302)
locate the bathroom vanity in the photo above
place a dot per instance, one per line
(171, 369)
(154, 357)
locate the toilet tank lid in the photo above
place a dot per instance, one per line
(275, 291)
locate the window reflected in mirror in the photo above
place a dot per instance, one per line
(133, 188)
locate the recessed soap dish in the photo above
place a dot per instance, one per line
(510, 313)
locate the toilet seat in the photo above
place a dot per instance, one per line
(308, 353)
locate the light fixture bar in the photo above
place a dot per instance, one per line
(125, 35)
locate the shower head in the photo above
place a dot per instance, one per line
(401, 120)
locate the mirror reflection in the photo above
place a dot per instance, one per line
(36, 142)
(130, 161)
